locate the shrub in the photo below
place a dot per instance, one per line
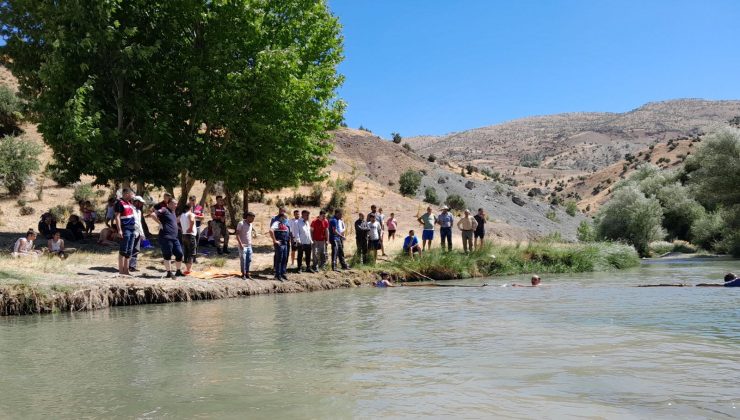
(61, 212)
(18, 161)
(632, 217)
(27, 211)
(317, 194)
(430, 196)
(337, 201)
(409, 182)
(432, 158)
(255, 196)
(10, 110)
(407, 147)
(586, 232)
(551, 215)
(455, 202)
(83, 192)
(658, 248)
(344, 185)
(21, 202)
(396, 138)
(684, 247)
(364, 129)
(571, 208)
(708, 230)
(60, 176)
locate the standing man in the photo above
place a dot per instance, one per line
(294, 236)
(467, 226)
(189, 236)
(380, 218)
(375, 232)
(361, 231)
(198, 212)
(218, 214)
(125, 216)
(303, 240)
(427, 220)
(336, 237)
(320, 236)
(244, 232)
(139, 235)
(167, 237)
(480, 231)
(445, 221)
(280, 234)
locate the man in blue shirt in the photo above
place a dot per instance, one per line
(336, 238)
(280, 235)
(445, 220)
(411, 245)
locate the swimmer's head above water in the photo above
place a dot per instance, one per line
(536, 280)
(730, 277)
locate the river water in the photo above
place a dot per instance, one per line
(586, 345)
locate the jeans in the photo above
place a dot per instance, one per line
(133, 261)
(467, 238)
(280, 261)
(446, 233)
(127, 243)
(245, 259)
(304, 250)
(337, 252)
(319, 254)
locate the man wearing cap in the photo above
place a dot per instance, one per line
(244, 233)
(139, 235)
(197, 210)
(126, 223)
(445, 221)
(427, 220)
(467, 225)
(319, 236)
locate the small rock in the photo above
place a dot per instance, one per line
(441, 181)
(470, 185)
(518, 201)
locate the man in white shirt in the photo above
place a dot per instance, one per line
(373, 236)
(139, 235)
(294, 236)
(302, 235)
(244, 233)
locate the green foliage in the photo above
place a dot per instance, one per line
(571, 207)
(409, 182)
(255, 196)
(530, 161)
(714, 169)
(430, 196)
(59, 175)
(470, 169)
(397, 138)
(344, 185)
(337, 201)
(551, 215)
(455, 202)
(18, 161)
(407, 147)
(432, 158)
(10, 111)
(26, 210)
(632, 217)
(658, 248)
(61, 212)
(83, 192)
(361, 128)
(586, 232)
(708, 230)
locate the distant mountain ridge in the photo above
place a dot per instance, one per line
(583, 141)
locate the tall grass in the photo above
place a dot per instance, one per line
(539, 257)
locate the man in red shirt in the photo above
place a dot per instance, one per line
(320, 236)
(218, 214)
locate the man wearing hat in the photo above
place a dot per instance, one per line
(445, 221)
(467, 225)
(139, 234)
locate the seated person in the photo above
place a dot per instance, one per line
(731, 280)
(108, 236)
(535, 282)
(75, 228)
(47, 225)
(56, 246)
(411, 245)
(24, 246)
(206, 236)
(385, 281)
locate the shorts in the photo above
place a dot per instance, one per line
(169, 248)
(414, 249)
(391, 233)
(188, 247)
(374, 244)
(427, 235)
(479, 234)
(126, 246)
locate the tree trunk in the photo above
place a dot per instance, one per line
(186, 184)
(140, 188)
(230, 207)
(206, 192)
(245, 201)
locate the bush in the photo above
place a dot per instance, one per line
(432, 158)
(571, 208)
(430, 196)
(255, 196)
(658, 248)
(632, 217)
(396, 138)
(407, 147)
(455, 202)
(684, 247)
(586, 232)
(60, 176)
(409, 182)
(27, 211)
(18, 161)
(344, 185)
(337, 201)
(21, 202)
(61, 212)
(83, 192)
(551, 215)
(317, 194)
(708, 230)
(10, 111)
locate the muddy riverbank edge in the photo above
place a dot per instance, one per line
(25, 298)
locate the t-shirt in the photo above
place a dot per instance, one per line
(293, 223)
(127, 211)
(392, 224)
(302, 232)
(319, 229)
(185, 223)
(428, 220)
(445, 220)
(481, 222)
(22, 246)
(410, 242)
(198, 211)
(733, 283)
(168, 229)
(244, 232)
(336, 228)
(375, 230)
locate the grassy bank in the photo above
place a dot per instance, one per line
(538, 257)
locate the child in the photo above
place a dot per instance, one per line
(384, 281)
(110, 212)
(391, 224)
(56, 246)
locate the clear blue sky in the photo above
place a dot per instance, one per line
(438, 66)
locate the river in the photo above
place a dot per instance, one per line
(586, 345)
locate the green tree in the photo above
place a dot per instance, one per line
(10, 111)
(396, 138)
(430, 196)
(409, 182)
(18, 161)
(455, 202)
(586, 232)
(632, 217)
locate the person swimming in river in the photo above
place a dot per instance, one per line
(385, 281)
(536, 280)
(731, 280)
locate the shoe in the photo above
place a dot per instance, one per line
(247, 277)
(313, 270)
(346, 267)
(131, 270)
(226, 251)
(178, 273)
(278, 279)
(336, 269)
(170, 275)
(284, 277)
